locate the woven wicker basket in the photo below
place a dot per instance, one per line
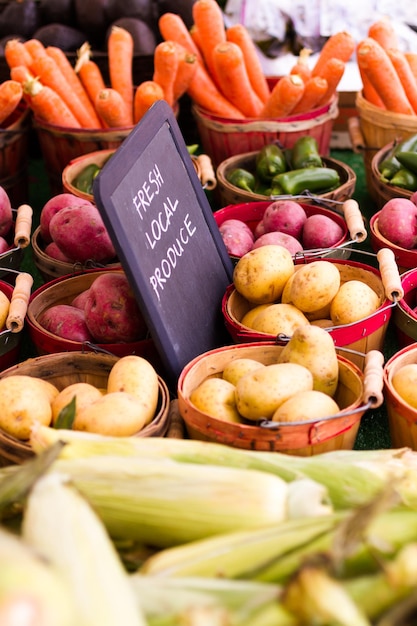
(230, 194)
(304, 439)
(63, 369)
(379, 127)
(384, 191)
(51, 268)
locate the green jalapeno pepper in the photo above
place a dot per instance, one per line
(239, 177)
(405, 179)
(84, 180)
(270, 161)
(305, 153)
(314, 179)
(391, 165)
(408, 160)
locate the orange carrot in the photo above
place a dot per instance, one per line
(50, 75)
(239, 35)
(384, 33)
(285, 96)
(301, 66)
(412, 62)
(21, 74)
(187, 65)
(332, 71)
(203, 91)
(233, 78)
(48, 105)
(73, 80)
(208, 19)
(369, 92)
(195, 36)
(314, 90)
(405, 74)
(147, 92)
(16, 53)
(165, 68)
(11, 93)
(120, 51)
(112, 108)
(341, 45)
(35, 48)
(374, 61)
(89, 72)
(173, 28)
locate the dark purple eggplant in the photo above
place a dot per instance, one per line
(62, 36)
(21, 17)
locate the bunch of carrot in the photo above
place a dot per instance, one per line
(389, 76)
(77, 97)
(228, 79)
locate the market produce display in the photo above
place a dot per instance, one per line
(283, 523)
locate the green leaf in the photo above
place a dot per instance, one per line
(66, 416)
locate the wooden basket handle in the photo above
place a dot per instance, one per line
(23, 226)
(19, 302)
(354, 220)
(373, 382)
(355, 133)
(208, 176)
(389, 274)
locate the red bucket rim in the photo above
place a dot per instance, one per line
(404, 258)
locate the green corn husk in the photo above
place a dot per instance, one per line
(31, 587)
(161, 502)
(352, 477)
(61, 525)
(240, 602)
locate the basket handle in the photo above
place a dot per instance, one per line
(355, 133)
(373, 381)
(19, 302)
(390, 275)
(23, 226)
(354, 220)
(207, 176)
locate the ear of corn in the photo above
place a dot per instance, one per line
(162, 503)
(30, 586)
(60, 524)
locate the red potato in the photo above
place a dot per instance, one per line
(67, 322)
(80, 300)
(259, 229)
(55, 252)
(397, 222)
(280, 239)
(320, 231)
(80, 233)
(111, 311)
(6, 214)
(287, 216)
(237, 237)
(52, 206)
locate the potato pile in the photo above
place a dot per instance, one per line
(282, 295)
(123, 408)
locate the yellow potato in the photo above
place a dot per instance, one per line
(49, 388)
(24, 400)
(313, 347)
(314, 285)
(117, 414)
(135, 375)
(216, 397)
(322, 323)
(4, 309)
(404, 381)
(306, 405)
(260, 393)
(249, 317)
(260, 275)
(239, 367)
(354, 301)
(279, 319)
(286, 292)
(84, 393)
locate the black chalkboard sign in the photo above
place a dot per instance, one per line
(166, 238)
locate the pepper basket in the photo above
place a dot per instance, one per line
(63, 369)
(359, 337)
(308, 438)
(385, 191)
